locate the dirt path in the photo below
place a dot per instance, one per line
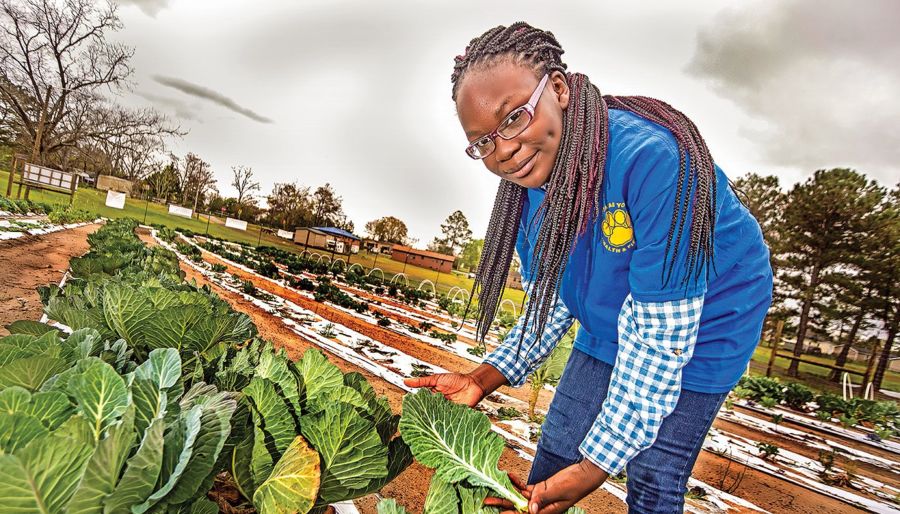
(840, 460)
(32, 261)
(765, 491)
(847, 441)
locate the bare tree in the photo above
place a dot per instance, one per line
(196, 179)
(53, 52)
(243, 182)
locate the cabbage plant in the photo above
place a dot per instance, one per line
(92, 440)
(338, 416)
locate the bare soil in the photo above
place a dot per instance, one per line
(765, 491)
(32, 261)
(852, 443)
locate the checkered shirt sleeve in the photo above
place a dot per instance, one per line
(516, 368)
(656, 340)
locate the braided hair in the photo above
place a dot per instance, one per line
(573, 191)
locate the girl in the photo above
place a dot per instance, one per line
(622, 222)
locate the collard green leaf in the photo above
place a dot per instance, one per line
(240, 466)
(399, 458)
(351, 450)
(359, 382)
(177, 449)
(127, 312)
(162, 367)
(390, 506)
(141, 472)
(340, 394)
(76, 317)
(274, 366)
(32, 372)
(30, 327)
(17, 429)
(169, 328)
(272, 415)
(84, 342)
(319, 375)
(100, 395)
(293, 484)
(471, 500)
(41, 477)
(149, 402)
(442, 497)
(215, 426)
(52, 408)
(204, 506)
(102, 470)
(457, 442)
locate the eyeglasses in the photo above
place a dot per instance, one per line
(514, 124)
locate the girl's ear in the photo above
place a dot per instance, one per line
(560, 88)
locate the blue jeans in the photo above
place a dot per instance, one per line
(657, 477)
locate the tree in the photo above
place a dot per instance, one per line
(455, 234)
(887, 279)
(242, 181)
(290, 206)
(195, 179)
(820, 234)
(471, 254)
(328, 209)
(764, 199)
(387, 230)
(55, 64)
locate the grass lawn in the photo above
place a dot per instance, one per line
(94, 201)
(816, 376)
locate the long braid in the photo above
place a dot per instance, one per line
(573, 198)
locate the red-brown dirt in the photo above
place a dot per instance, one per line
(32, 261)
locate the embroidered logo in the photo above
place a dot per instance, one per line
(618, 234)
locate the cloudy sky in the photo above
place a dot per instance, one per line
(357, 92)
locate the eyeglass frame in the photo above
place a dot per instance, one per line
(529, 108)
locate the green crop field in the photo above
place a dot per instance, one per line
(94, 201)
(816, 376)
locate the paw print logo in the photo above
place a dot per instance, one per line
(617, 229)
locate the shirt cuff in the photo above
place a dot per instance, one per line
(608, 451)
(511, 365)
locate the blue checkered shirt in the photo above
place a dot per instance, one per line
(656, 340)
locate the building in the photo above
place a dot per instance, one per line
(374, 246)
(328, 239)
(423, 258)
(110, 183)
(514, 279)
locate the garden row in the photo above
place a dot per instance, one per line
(277, 263)
(881, 417)
(149, 394)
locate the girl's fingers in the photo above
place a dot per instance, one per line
(426, 381)
(519, 483)
(498, 502)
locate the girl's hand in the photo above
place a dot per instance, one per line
(559, 492)
(456, 387)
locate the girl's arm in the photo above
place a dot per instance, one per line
(656, 340)
(517, 367)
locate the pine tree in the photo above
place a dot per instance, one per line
(823, 223)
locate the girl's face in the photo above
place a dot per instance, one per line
(484, 99)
